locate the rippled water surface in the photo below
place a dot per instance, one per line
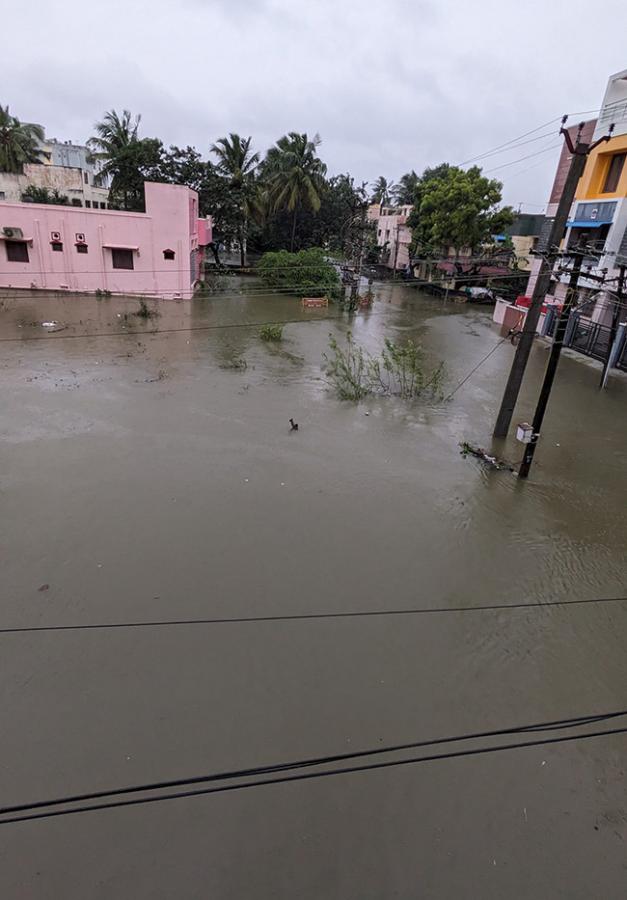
(151, 476)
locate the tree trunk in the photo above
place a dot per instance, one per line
(294, 228)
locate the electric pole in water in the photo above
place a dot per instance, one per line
(579, 151)
(554, 358)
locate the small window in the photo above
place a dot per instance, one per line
(88, 204)
(82, 248)
(86, 177)
(76, 201)
(57, 246)
(103, 206)
(2, 195)
(121, 258)
(17, 251)
(613, 173)
(168, 254)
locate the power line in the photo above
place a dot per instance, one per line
(551, 725)
(479, 364)
(521, 158)
(296, 617)
(508, 143)
(306, 776)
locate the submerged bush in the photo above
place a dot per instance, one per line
(271, 333)
(399, 371)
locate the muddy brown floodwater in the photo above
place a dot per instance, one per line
(146, 476)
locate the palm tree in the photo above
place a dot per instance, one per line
(295, 175)
(237, 163)
(18, 142)
(382, 191)
(113, 136)
(405, 191)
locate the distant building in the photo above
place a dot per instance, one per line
(66, 167)
(393, 234)
(524, 233)
(598, 216)
(156, 253)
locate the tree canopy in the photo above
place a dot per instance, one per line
(456, 208)
(19, 142)
(294, 175)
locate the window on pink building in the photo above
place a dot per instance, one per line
(56, 246)
(168, 254)
(121, 258)
(17, 251)
(81, 248)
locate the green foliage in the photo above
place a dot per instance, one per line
(382, 191)
(34, 194)
(405, 191)
(347, 369)
(18, 142)
(331, 227)
(294, 175)
(305, 274)
(236, 166)
(271, 333)
(456, 208)
(399, 370)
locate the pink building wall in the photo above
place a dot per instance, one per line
(170, 223)
(392, 231)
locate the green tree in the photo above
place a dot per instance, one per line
(456, 208)
(404, 192)
(306, 273)
(34, 194)
(237, 164)
(382, 191)
(115, 145)
(18, 142)
(137, 162)
(294, 175)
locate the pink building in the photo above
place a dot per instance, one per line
(157, 253)
(392, 233)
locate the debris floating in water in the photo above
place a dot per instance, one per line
(49, 324)
(493, 462)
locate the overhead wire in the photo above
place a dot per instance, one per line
(48, 809)
(299, 617)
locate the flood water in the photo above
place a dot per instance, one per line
(154, 476)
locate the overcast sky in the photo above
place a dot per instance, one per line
(389, 86)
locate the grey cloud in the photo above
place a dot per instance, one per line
(390, 87)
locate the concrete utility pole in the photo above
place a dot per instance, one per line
(554, 358)
(580, 152)
(354, 296)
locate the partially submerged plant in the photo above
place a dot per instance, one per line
(271, 333)
(399, 370)
(347, 369)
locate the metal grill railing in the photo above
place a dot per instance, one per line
(591, 338)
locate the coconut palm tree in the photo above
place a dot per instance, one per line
(18, 142)
(295, 175)
(405, 191)
(113, 137)
(382, 191)
(237, 163)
